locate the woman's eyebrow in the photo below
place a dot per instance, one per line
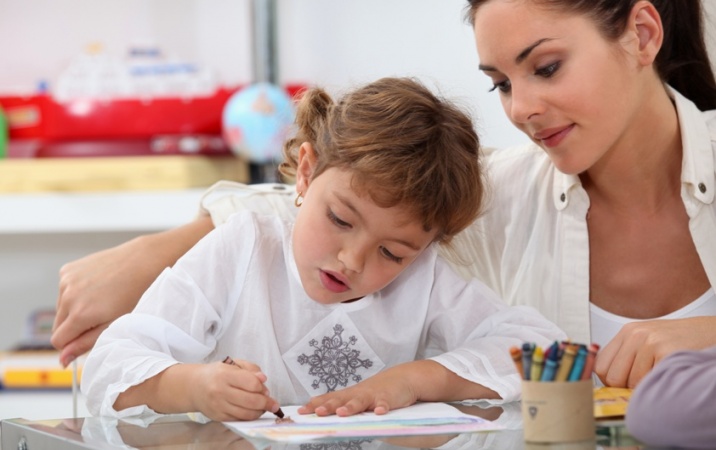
(526, 52)
(520, 57)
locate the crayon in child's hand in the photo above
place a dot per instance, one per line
(230, 361)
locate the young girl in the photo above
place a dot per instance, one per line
(351, 293)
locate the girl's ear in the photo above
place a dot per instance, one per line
(645, 24)
(306, 164)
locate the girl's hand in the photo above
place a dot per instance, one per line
(640, 345)
(226, 392)
(380, 393)
(220, 391)
(398, 387)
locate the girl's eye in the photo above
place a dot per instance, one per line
(503, 86)
(336, 220)
(548, 70)
(390, 256)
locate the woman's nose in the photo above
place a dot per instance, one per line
(524, 104)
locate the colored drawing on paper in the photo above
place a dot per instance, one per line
(421, 419)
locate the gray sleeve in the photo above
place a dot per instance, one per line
(675, 404)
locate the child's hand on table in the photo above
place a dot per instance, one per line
(398, 387)
(380, 393)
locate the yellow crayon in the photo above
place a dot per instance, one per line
(537, 364)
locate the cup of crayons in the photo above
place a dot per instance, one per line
(557, 391)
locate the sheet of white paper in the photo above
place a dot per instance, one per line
(419, 419)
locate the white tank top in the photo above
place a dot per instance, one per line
(606, 325)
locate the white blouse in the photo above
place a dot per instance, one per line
(237, 293)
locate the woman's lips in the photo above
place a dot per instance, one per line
(333, 282)
(552, 137)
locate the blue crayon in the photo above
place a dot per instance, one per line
(578, 367)
(527, 350)
(551, 362)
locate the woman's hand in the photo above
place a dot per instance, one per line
(102, 286)
(640, 345)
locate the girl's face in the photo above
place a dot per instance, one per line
(573, 92)
(346, 246)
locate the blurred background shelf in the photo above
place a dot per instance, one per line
(97, 212)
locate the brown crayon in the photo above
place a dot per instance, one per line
(589, 363)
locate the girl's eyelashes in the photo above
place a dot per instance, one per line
(390, 256)
(336, 220)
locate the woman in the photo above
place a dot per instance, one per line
(606, 219)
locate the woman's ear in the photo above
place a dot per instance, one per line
(306, 165)
(645, 23)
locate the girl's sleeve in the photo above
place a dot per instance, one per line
(471, 331)
(177, 319)
(675, 404)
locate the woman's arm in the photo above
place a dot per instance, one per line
(102, 286)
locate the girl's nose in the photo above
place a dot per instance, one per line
(352, 258)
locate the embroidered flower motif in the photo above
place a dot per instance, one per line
(334, 362)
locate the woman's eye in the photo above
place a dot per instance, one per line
(503, 86)
(548, 70)
(336, 220)
(390, 256)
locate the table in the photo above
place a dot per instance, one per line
(174, 432)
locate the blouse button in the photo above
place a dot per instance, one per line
(702, 188)
(564, 197)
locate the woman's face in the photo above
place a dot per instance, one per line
(573, 92)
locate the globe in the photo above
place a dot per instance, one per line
(256, 121)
